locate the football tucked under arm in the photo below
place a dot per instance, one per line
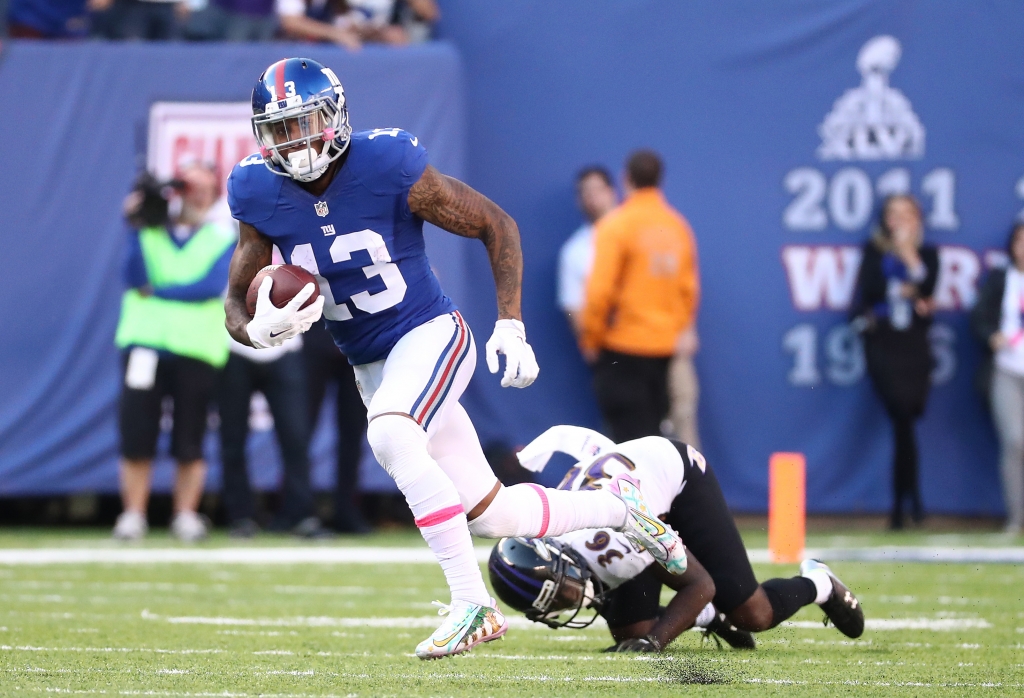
(253, 252)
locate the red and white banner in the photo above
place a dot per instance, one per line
(217, 134)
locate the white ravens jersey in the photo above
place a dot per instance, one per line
(652, 461)
(608, 554)
(655, 462)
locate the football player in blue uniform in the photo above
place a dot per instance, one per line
(349, 208)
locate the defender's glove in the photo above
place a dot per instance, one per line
(271, 325)
(636, 644)
(509, 338)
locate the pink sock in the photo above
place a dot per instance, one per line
(571, 511)
(535, 511)
(400, 445)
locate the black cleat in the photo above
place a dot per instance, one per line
(733, 636)
(842, 607)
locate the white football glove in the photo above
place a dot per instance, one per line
(271, 325)
(509, 338)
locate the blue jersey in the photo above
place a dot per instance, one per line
(359, 238)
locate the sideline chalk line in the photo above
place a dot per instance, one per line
(521, 623)
(319, 555)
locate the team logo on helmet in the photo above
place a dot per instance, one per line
(546, 580)
(300, 118)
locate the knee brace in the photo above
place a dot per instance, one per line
(518, 510)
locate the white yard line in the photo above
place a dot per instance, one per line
(1007, 555)
(884, 684)
(245, 556)
(516, 622)
(519, 623)
(513, 680)
(408, 555)
(31, 648)
(937, 624)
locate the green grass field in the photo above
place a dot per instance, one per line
(342, 630)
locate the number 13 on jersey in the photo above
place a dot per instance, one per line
(341, 251)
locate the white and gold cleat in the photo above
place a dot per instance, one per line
(645, 530)
(466, 626)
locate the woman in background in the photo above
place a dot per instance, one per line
(895, 285)
(998, 320)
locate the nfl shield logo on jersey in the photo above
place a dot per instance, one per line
(321, 208)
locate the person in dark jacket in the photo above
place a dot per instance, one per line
(324, 364)
(894, 290)
(998, 321)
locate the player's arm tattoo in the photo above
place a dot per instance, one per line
(252, 253)
(458, 208)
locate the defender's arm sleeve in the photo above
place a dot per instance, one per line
(578, 442)
(602, 286)
(212, 285)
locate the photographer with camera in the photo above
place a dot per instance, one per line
(172, 338)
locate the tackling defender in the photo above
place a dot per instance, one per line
(349, 208)
(600, 569)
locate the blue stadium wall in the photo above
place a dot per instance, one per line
(734, 95)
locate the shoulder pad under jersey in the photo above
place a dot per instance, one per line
(253, 190)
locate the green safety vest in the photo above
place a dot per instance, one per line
(186, 328)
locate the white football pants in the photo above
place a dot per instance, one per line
(424, 376)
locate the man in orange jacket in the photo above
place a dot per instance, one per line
(641, 296)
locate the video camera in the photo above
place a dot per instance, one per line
(149, 205)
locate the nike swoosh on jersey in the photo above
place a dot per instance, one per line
(415, 141)
(277, 334)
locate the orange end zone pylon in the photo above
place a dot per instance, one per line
(786, 507)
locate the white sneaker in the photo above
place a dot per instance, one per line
(131, 525)
(645, 530)
(467, 625)
(188, 526)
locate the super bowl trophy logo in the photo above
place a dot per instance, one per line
(873, 121)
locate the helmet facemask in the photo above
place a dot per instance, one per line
(567, 585)
(301, 139)
(572, 588)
